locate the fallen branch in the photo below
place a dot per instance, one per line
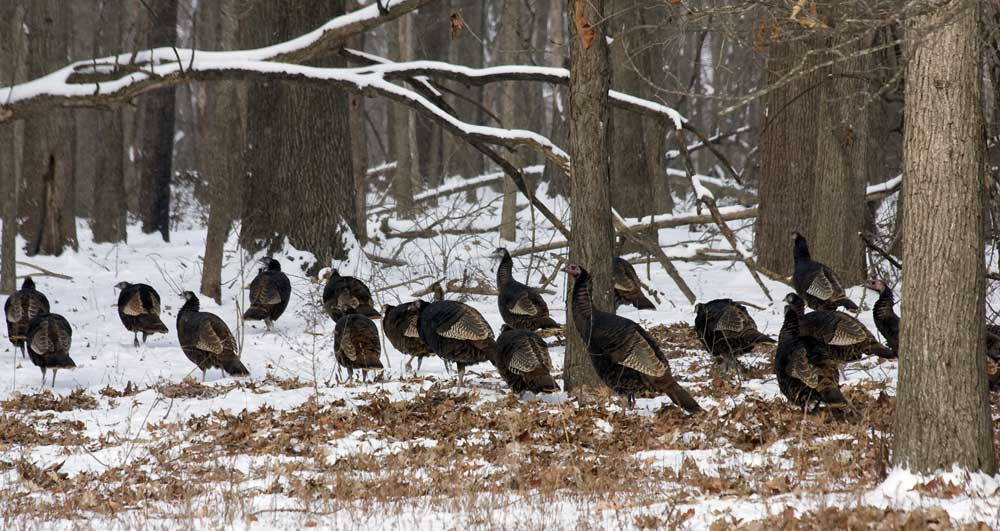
(889, 258)
(654, 249)
(431, 232)
(401, 284)
(42, 272)
(393, 262)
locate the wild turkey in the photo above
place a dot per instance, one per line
(49, 339)
(993, 356)
(804, 368)
(457, 333)
(726, 330)
(139, 311)
(626, 358)
(21, 307)
(269, 294)
(846, 337)
(523, 361)
(520, 306)
(347, 295)
(628, 287)
(356, 345)
(886, 320)
(400, 324)
(816, 283)
(206, 340)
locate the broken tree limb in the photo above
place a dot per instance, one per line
(403, 283)
(654, 249)
(384, 260)
(885, 254)
(42, 272)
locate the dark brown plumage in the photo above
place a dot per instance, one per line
(21, 307)
(628, 287)
(206, 340)
(457, 333)
(270, 291)
(523, 361)
(623, 354)
(347, 295)
(806, 372)
(139, 311)
(356, 345)
(815, 282)
(400, 324)
(845, 336)
(49, 339)
(886, 320)
(520, 305)
(726, 330)
(993, 356)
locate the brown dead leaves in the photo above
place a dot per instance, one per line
(46, 401)
(584, 28)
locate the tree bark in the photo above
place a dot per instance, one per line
(399, 118)
(430, 31)
(158, 131)
(109, 210)
(359, 144)
(300, 173)
(467, 49)
(559, 183)
(221, 130)
(942, 407)
(13, 48)
(788, 154)
(592, 244)
(51, 135)
(511, 103)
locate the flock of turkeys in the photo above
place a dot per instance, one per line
(812, 347)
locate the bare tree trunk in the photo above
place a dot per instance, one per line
(108, 216)
(13, 49)
(47, 136)
(88, 140)
(590, 123)
(559, 183)
(942, 407)
(300, 174)
(788, 151)
(467, 50)
(430, 31)
(221, 133)
(511, 103)
(846, 159)
(359, 145)
(399, 118)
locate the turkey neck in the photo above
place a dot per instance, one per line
(191, 305)
(883, 306)
(505, 272)
(801, 251)
(790, 328)
(583, 309)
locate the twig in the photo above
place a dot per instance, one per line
(401, 284)
(889, 258)
(42, 272)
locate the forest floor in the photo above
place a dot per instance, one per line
(131, 438)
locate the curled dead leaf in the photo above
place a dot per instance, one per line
(457, 24)
(584, 28)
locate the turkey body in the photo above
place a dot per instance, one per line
(206, 340)
(520, 306)
(347, 295)
(401, 325)
(726, 329)
(356, 345)
(523, 361)
(816, 283)
(846, 338)
(623, 354)
(457, 333)
(49, 339)
(628, 288)
(270, 291)
(886, 320)
(21, 307)
(805, 371)
(139, 310)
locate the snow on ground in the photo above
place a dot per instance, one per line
(292, 447)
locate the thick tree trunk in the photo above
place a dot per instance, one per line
(942, 407)
(48, 136)
(559, 183)
(847, 159)
(590, 142)
(158, 131)
(109, 210)
(430, 31)
(399, 118)
(359, 144)
(788, 154)
(88, 140)
(467, 50)
(511, 103)
(300, 181)
(221, 130)
(13, 49)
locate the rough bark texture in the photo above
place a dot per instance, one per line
(51, 135)
(558, 128)
(788, 156)
(467, 49)
(221, 129)
(13, 48)
(942, 407)
(299, 172)
(430, 30)
(590, 123)
(399, 118)
(846, 160)
(158, 131)
(511, 95)
(359, 145)
(108, 209)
